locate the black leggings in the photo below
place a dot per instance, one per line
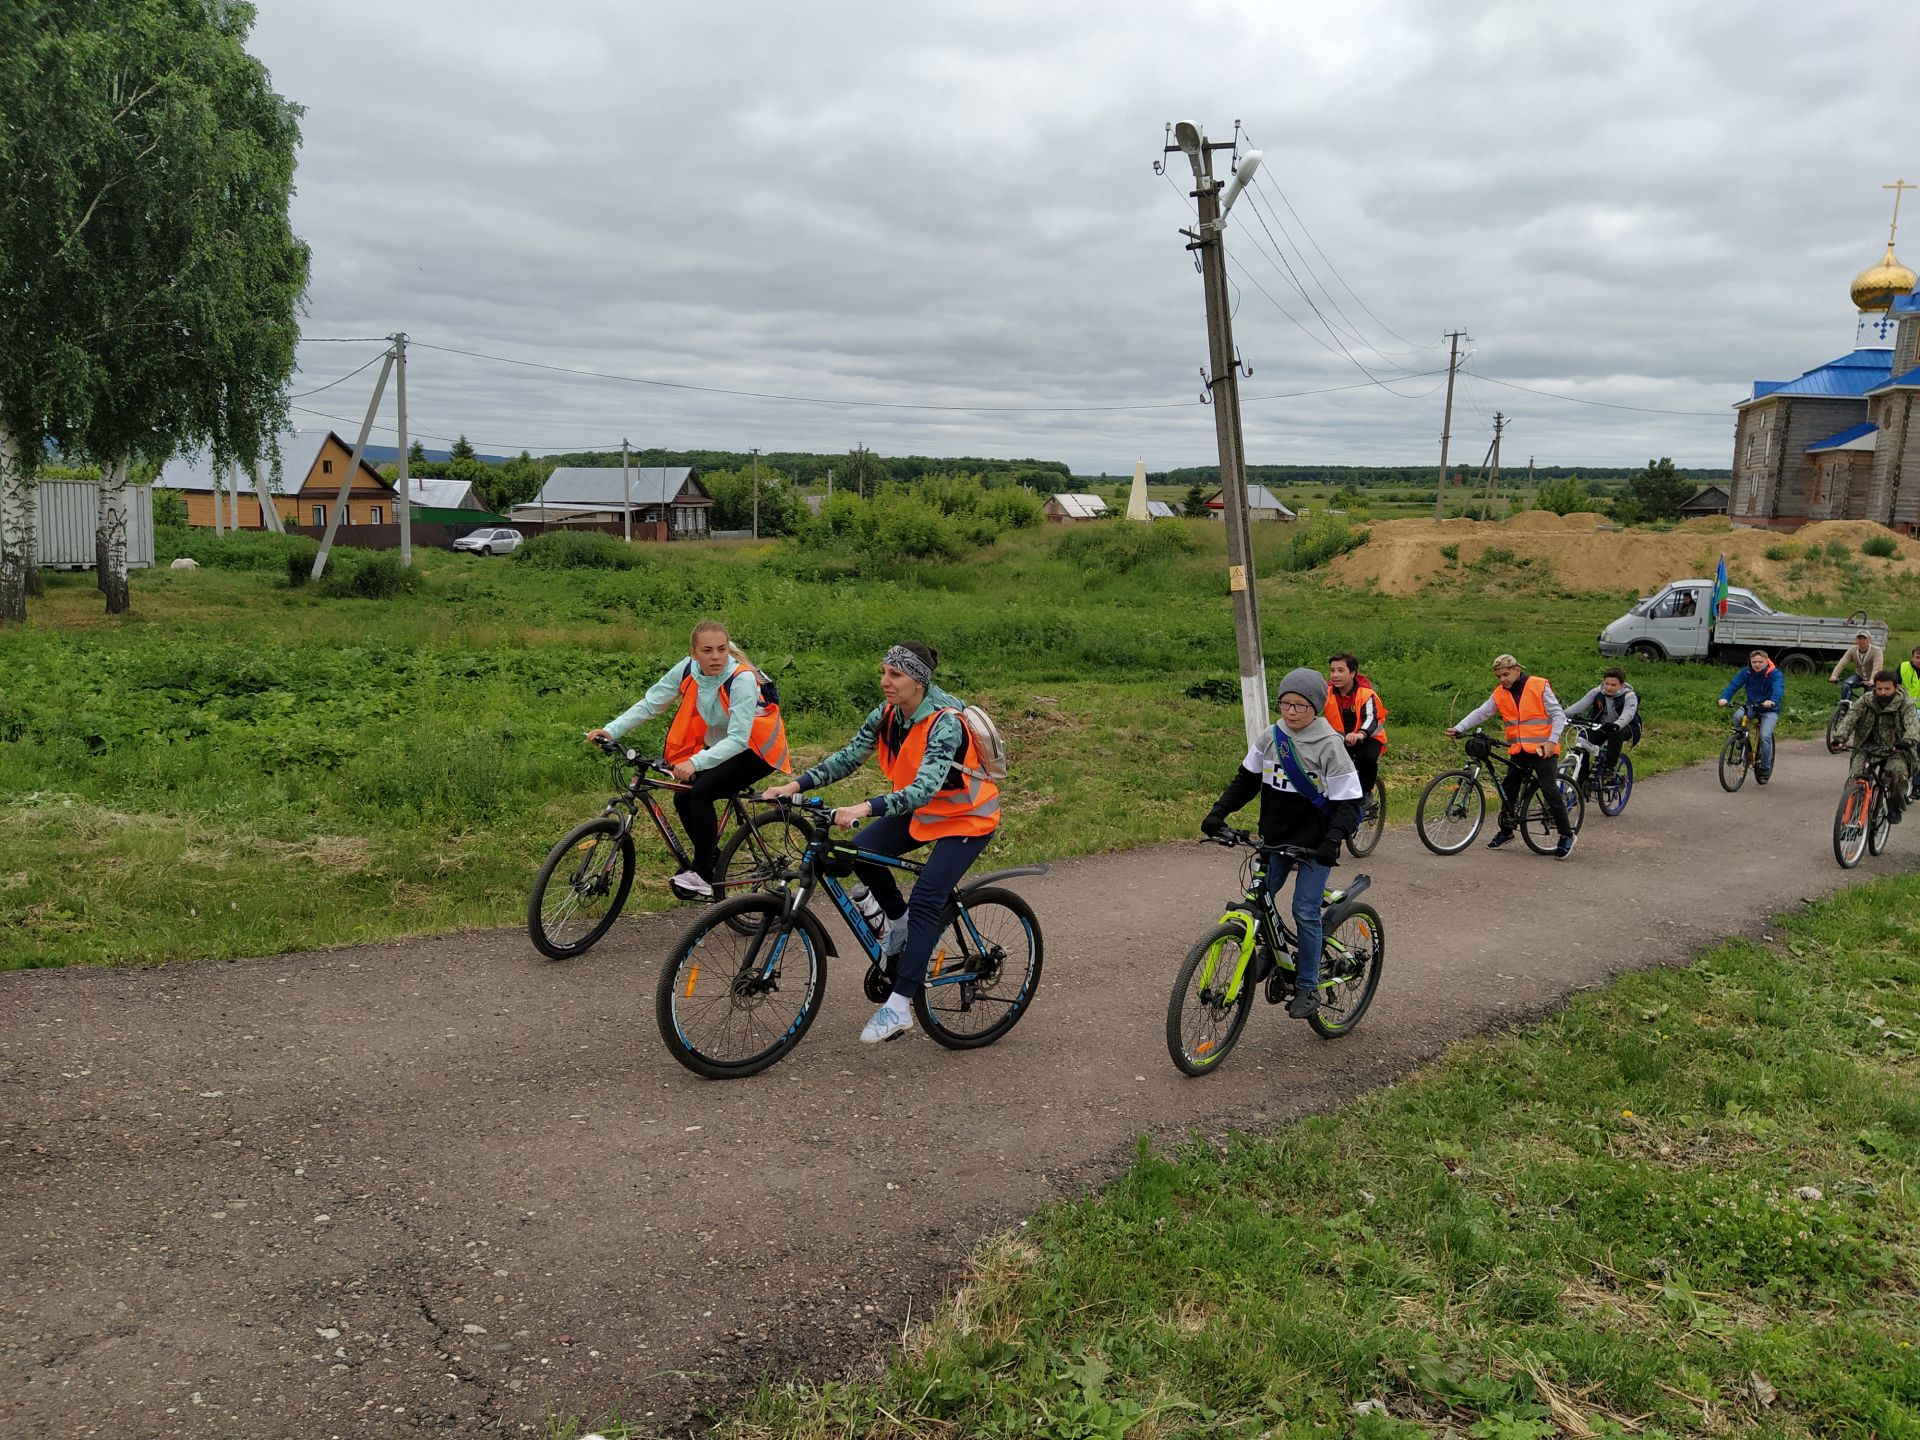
(1545, 768)
(1366, 759)
(697, 807)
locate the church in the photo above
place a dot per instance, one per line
(1842, 442)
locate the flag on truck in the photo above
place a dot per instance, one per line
(1719, 592)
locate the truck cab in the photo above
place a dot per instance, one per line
(1672, 622)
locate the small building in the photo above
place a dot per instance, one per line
(1262, 504)
(1161, 510)
(1070, 509)
(312, 463)
(443, 494)
(1708, 500)
(667, 496)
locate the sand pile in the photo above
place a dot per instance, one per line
(1587, 552)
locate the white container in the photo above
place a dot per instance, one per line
(69, 514)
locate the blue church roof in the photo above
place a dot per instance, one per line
(1908, 381)
(1849, 377)
(1840, 440)
(1905, 305)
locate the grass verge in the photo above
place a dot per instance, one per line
(1685, 1205)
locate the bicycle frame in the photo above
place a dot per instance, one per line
(1255, 910)
(639, 792)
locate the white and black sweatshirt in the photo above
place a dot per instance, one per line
(1286, 816)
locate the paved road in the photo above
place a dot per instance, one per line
(440, 1184)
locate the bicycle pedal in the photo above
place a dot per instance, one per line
(1279, 988)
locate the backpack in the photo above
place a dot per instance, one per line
(769, 692)
(987, 744)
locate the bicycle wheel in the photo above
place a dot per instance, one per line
(1373, 819)
(1850, 823)
(1834, 743)
(1879, 822)
(721, 1012)
(993, 946)
(1734, 760)
(1536, 821)
(1202, 1027)
(1617, 787)
(1450, 812)
(580, 889)
(757, 854)
(1356, 946)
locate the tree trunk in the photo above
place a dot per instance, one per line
(100, 530)
(113, 537)
(30, 502)
(17, 539)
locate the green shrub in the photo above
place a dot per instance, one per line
(1450, 554)
(1838, 550)
(1328, 537)
(1492, 556)
(1881, 547)
(578, 550)
(169, 508)
(1122, 548)
(299, 569)
(244, 550)
(1785, 550)
(1011, 508)
(371, 575)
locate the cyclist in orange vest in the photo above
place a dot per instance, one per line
(1357, 714)
(937, 796)
(724, 737)
(1533, 718)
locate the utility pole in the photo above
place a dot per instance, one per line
(1223, 385)
(626, 492)
(1529, 482)
(406, 486)
(829, 482)
(1493, 474)
(755, 452)
(1446, 428)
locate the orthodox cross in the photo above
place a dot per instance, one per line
(1896, 187)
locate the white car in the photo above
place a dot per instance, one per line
(489, 542)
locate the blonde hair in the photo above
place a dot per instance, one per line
(707, 627)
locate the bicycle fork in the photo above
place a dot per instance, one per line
(1248, 923)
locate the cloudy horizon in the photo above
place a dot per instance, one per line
(957, 209)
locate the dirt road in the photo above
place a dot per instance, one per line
(444, 1184)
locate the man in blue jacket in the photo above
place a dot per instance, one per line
(1766, 687)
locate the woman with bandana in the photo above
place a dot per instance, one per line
(937, 795)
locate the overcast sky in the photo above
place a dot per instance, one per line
(1646, 204)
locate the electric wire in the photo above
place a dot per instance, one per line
(1605, 404)
(302, 394)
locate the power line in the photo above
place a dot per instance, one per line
(1606, 404)
(302, 394)
(346, 339)
(414, 434)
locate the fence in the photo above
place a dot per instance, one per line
(69, 517)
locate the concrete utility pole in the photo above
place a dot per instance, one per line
(755, 452)
(829, 482)
(1529, 482)
(1446, 428)
(400, 420)
(1223, 385)
(626, 494)
(1493, 473)
(339, 506)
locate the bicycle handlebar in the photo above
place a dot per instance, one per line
(1230, 839)
(633, 758)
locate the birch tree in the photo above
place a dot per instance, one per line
(157, 165)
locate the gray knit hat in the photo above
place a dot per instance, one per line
(1304, 682)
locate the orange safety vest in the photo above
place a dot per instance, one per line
(1337, 711)
(970, 808)
(687, 735)
(1528, 727)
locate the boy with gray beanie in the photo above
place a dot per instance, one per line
(1309, 799)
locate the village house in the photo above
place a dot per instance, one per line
(1262, 504)
(668, 500)
(313, 463)
(1070, 509)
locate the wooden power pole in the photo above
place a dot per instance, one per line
(755, 452)
(1446, 428)
(1493, 471)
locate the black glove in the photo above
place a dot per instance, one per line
(1214, 826)
(1329, 851)
(1606, 731)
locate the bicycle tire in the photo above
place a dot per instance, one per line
(1463, 796)
(1835, 745)
(1373, 820)
(1355, 949)
(1617, 789)
(1880, 823)
(550, 931)
(774, 842)
(695, 1021)
(1734, 758)
(1210, 1042)
(1006, 924)
(1850, 823)
(1536, 821)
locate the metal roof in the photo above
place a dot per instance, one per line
(443, 494)
(1908, 381)
(1854, 437)
(601, 486)
(298, 450)
(1161, 510)
(1258, 498)
(1082, 507)
(1848, 378)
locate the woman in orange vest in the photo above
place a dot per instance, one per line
(936, 796)
(723, 738)
(1533, 718)
(1357, 714)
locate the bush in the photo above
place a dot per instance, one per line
(1011, 508)
(1785, 550)
(246, 550)
(1450, 554)
(1328, 537)
(1881, 547)
(169, 508)
(1838, 550)
(371, 575)
(578, 550)
(1122, 548)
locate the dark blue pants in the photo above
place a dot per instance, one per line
(945, 864)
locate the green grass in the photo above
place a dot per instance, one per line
(1615, 1220)
(243, 767)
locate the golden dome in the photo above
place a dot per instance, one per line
(1875, 287)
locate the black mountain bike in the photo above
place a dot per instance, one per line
(1253, 947)
(744, 984)
(1454, 804)
(1373, 819)
(584, 883)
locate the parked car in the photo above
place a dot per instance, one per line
(499, 541)
(1671, 624)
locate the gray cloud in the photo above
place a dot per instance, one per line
(1640, 204)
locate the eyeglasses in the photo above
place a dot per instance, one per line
(1291, 705)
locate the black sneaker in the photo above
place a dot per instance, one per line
(1501, 839)
(1305, 1004)
(1893, 815)
(1564, 848)
(1760, 777)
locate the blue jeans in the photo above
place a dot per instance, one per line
(1769, 722)
(1308, 891)
(947, 862)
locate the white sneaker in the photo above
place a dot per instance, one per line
(688, 883)
(887, 1024)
